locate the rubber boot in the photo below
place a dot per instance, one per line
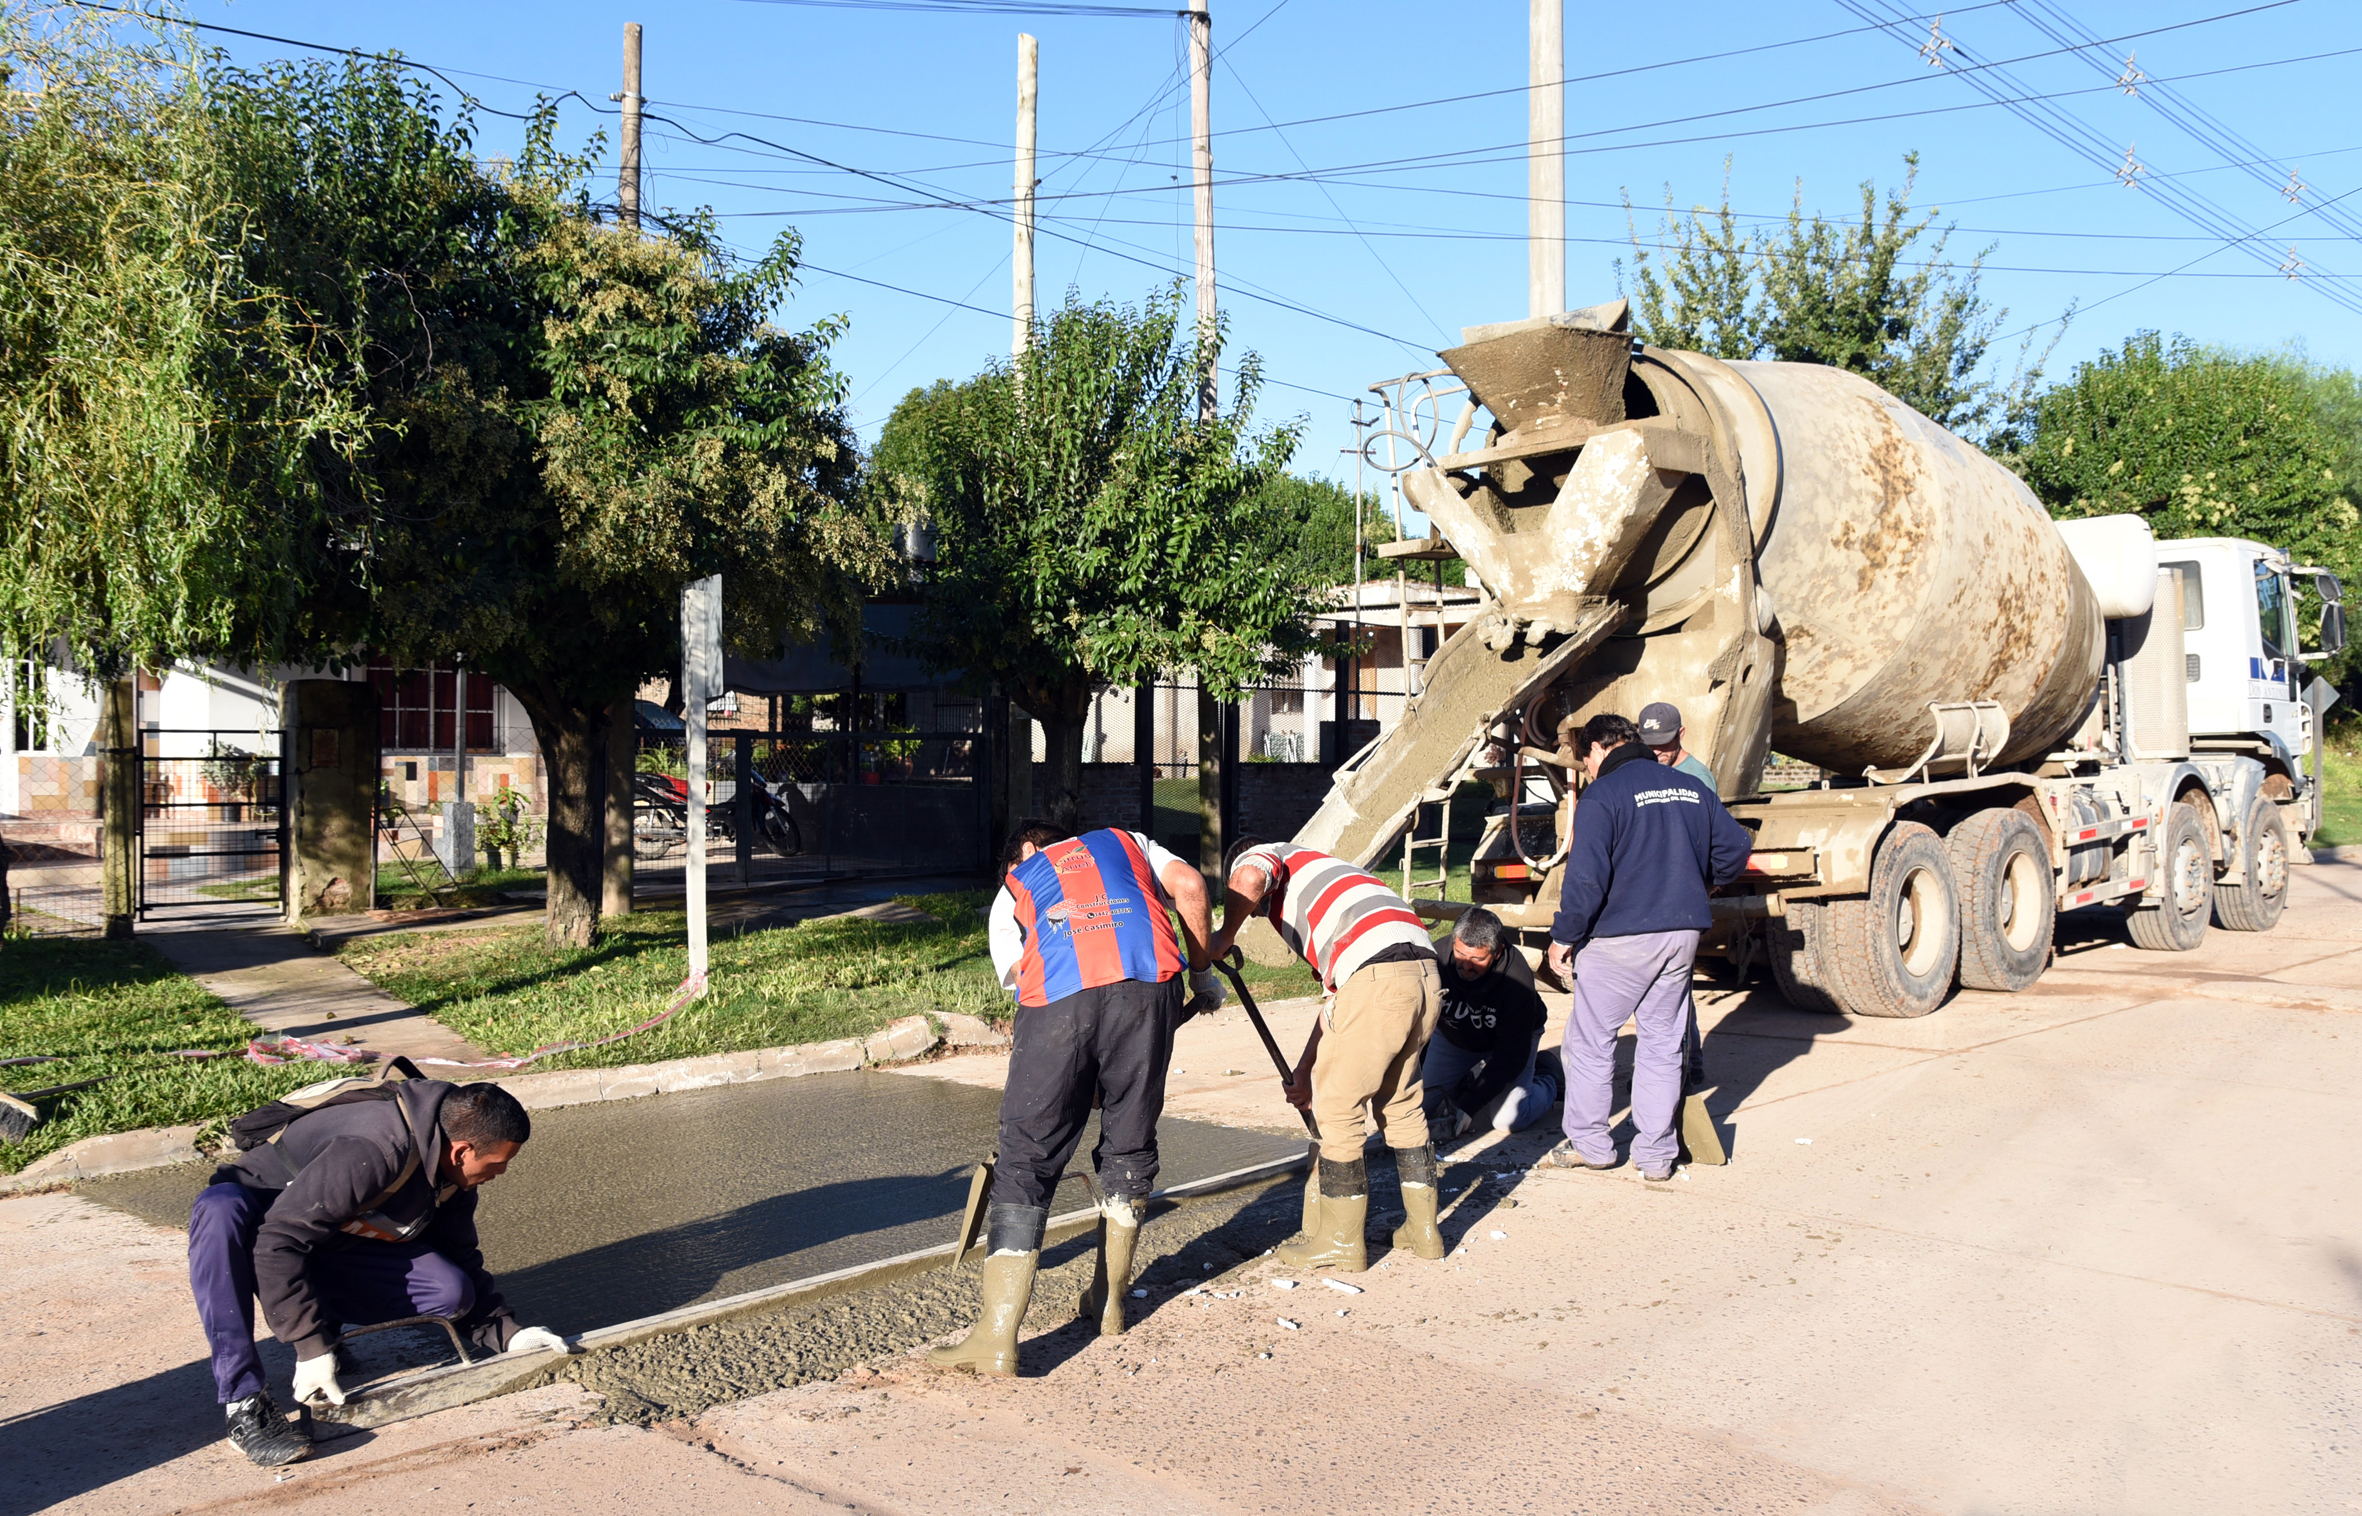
(1111, 1282)
(1311, 1192)
(1335, 1239)
(1014, 1251)
(1417, 1235)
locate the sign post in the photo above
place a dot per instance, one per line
(701, 677)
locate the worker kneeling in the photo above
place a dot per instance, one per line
(1375, 962)
(1082, 933)
(357, 1209)
(1486, 1066)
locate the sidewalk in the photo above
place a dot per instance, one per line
(273, 977)
(2033, 1252)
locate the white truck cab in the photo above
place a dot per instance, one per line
(2245, 608)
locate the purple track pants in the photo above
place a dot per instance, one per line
(374, 1281)
(1645, 979)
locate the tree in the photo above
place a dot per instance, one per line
(1090, 529)
(2205, 443)
(1866, 297)
(580, 419)
(163, 417)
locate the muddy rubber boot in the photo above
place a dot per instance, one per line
(1335, 1240)
(1417, 1235)
(1014, 1251)
(1111, 1282)
(264, 1434)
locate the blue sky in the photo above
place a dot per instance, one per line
(1351, 248)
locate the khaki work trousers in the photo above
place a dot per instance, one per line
(1370, 1044)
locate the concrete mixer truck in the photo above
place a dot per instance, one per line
(2012, 717)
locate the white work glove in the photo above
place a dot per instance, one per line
(1206, 992)
(315, 1380)
(538, 1340)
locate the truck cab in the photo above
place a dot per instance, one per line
(2247, 610)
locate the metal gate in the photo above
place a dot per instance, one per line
(212, 822)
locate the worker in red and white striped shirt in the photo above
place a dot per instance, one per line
(1375, 960)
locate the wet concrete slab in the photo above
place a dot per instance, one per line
(624, 1209)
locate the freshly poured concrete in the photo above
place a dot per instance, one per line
(622, 1210)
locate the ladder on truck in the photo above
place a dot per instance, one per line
(1438, 804)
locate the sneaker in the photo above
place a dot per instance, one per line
(1564, 1156)
(263, 1434)
(1657, 1176)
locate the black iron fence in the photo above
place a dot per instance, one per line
(210, 822)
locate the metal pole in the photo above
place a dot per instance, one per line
(1201, 152)
(1545, 163)
(1021, 305)
(701, 638)
(627, 186)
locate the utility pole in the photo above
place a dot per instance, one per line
(1201, 153)
(1545, 158)
(1021, 305)
(1213, 759)
(619, 757)
(627, 187)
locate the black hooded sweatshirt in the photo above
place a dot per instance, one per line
(345, 1156)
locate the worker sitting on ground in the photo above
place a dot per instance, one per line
(1660, 732)
(1082, 934)
(360, 1211)
(1378, 968)
(1486, 1066)
(1648, 843)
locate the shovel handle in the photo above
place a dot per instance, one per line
(1230, 964)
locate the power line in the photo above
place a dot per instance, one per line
(986, 8)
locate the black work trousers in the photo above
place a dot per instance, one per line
(1115, 1042)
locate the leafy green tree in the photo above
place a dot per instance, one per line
(1870, 296)
(1090, 528)
(2204, 443)
(164, 418)
(575, 418)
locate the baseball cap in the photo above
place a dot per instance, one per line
(1659, 724)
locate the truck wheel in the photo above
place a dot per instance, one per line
(1799, 962)
(1895, 948)
(2008, 903)
(2175, 921)
(2254, 906)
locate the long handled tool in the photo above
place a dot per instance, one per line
(1230, 967)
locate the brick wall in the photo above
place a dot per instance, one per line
(1274, 799)
(1111, 794)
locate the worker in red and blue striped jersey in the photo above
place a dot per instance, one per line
(1377, 964)
(1083, 934)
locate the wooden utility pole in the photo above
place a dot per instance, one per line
(627, 187)
(1021, 259)
(1212, 759)
(1545, 158)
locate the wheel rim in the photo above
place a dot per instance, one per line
(2189, 876)
(2271, 863)
(2021, 896)
(1919, 908)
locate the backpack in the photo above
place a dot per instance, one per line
(268, 1123)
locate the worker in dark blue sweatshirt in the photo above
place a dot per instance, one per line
(1649, 843)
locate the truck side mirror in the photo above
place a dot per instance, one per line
(2326, 586)
(2333, 632)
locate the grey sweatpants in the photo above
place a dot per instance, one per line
(1644, 979)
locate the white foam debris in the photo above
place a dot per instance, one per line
(1804, 1142)
(1283, 1284)
(1339, 1284)
(1289, 1325)
(1497, 1236)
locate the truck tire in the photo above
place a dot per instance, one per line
(2008, 899)
(2175, 921)
(2254, 905)
(1894, 950)
(1799, 962)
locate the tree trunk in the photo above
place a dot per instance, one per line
(1064, 710)
(572, 740)
(622, 754)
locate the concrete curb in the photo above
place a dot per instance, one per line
(904, 1038)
